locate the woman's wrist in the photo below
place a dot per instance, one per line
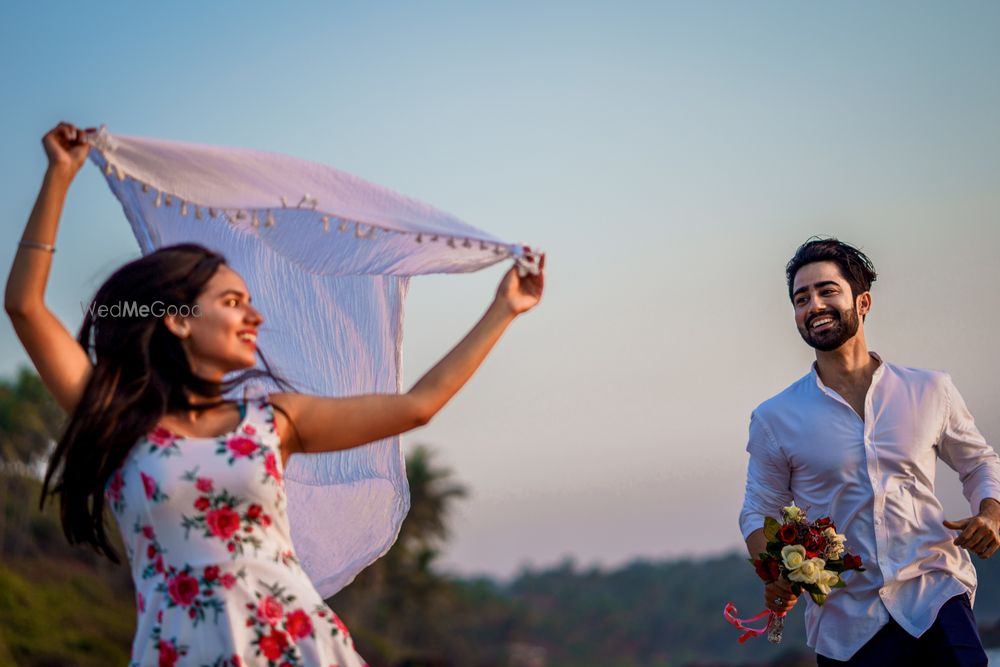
(60, 173)
(502, 308)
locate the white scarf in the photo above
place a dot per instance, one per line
(327, 257)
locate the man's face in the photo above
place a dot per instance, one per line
(826, 312)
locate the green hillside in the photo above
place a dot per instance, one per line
(57, 606)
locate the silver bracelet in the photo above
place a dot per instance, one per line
(36, 244)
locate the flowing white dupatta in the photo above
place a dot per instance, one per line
(327, 258)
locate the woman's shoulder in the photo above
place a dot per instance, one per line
(284, 408)
(274, 407)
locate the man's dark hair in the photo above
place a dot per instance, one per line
(854, 265)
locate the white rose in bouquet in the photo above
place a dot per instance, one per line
(827, 580)
(808, 572)
(792, 514)
(793, 556)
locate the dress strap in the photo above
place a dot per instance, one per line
(260, 413)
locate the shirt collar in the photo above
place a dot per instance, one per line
(875, 376)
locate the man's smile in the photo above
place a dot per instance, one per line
(821, 322)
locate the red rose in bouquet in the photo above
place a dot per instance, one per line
(814, 542)
(768, 570)
(852, 562)
(788, 533)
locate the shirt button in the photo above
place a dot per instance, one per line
(874, 480)
(883, 592)
(878, 522)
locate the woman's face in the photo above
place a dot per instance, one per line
(221, 335)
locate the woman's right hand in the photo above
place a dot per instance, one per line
(66, 148)
(520, 294)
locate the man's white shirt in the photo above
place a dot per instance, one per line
(875, 479)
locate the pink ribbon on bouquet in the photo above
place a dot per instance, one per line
(741, 623)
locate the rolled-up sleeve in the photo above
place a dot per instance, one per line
(768, 476)
(963, 448)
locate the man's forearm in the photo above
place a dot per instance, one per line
(756, 543)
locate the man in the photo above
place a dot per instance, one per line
(857, 439)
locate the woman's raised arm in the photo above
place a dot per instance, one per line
(60, 360)
(326, 424)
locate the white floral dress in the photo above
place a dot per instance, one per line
(217, 582)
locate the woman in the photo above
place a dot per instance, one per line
(195, 481)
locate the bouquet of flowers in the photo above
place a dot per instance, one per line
(811, 555)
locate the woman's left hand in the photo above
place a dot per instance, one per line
(521, 294)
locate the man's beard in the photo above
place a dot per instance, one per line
(845, 325)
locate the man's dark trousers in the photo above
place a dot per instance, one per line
(952, 641)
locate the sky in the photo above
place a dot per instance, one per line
(668, 157)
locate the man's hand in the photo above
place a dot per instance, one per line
(778, 596)
(981, 533)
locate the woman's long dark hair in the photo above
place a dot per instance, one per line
(140, 374)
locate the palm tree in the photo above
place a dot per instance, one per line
(390, 602)
(432, 494)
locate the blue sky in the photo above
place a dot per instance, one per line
(668, 156)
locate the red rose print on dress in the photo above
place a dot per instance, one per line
(149, 484)
(337, 627)
(152, 489)
(168, 652)
(182, 589)
(273, 645)
(342, 628)
(219, 516)
(299, 624)
(162, 442)
(269, 610)
(222, 522)
(271, 467)
(113, 494)
(286, 557)
(154, 552)
(198, 596)
(276, 633)
(238, 447)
